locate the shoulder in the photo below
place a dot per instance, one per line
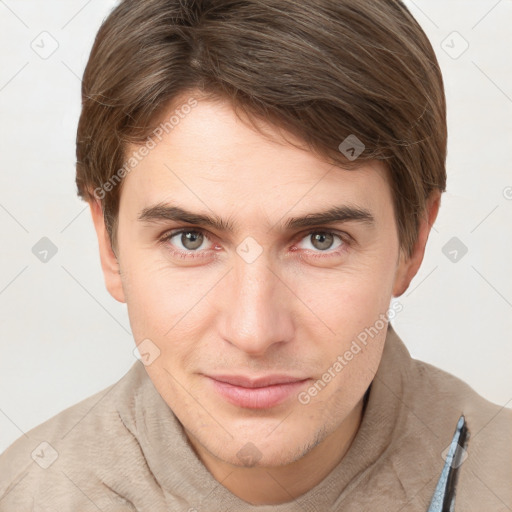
(70, 451)
(434, 401)
(433, 394)
(444, 392)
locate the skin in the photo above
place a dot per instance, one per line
(293, 310)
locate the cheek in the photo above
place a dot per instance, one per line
(353, 304)
(171, 307)
(152, 296)
(350, 298)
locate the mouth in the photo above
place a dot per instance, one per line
(258, 393)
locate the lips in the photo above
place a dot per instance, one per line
(260, 382)
(256, 393)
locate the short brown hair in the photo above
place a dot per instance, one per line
(322, 70)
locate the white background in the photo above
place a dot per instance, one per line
(63, 338)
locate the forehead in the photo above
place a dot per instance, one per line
(212, 160)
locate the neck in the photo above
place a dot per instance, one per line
(273, 485)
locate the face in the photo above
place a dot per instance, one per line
(246, 292)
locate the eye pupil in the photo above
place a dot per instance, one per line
(322, 241)
(191, 239)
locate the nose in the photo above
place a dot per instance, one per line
(255, 307)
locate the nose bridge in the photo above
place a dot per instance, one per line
(255, 311)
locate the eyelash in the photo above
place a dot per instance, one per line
(344, 237)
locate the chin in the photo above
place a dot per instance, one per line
(263, 450)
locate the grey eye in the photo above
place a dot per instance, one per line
(189, 240)
(322, 241)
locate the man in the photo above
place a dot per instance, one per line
(263, 176)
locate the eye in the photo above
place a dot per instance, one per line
(188, 240)
(195, 243)
(322, 241)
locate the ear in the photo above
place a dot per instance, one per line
(109, 261)
(408, 266)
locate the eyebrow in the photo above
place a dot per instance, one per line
(165, 212)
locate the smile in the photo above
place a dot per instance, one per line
(262, 393)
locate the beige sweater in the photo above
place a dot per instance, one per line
(123, 450)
